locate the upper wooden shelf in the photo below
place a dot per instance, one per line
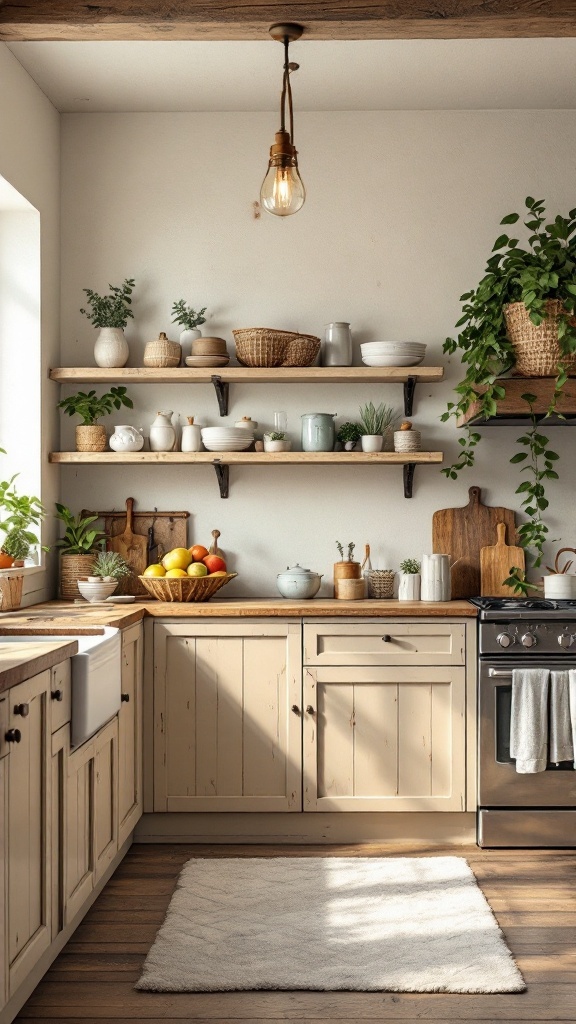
(513, 410)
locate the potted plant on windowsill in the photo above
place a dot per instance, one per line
(18, 512)
(190, 320)
(520, 319)
(90, 435)
(80, 547)
(111, 314)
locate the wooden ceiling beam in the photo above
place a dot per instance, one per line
(235, 19)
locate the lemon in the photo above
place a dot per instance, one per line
(178, 558)
(175, 573)
(197, 569)
(154, 570)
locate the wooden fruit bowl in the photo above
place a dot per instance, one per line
(179, 588)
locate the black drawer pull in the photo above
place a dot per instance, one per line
(13, 736)
(387, 638)
(21, 709)
(125, 697)
(57, 695)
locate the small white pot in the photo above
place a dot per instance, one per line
(186, 339)
(126, 439)
(111, 348)
(276, 446)
(372, 442)
(409, 586)
(560, 585)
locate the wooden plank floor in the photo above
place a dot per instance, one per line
(532, 893)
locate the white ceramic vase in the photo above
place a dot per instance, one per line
(162, 433)
(186, 339)
(435, 577)
(409, 586)
(111, 348)
(372, 442)
(126, 439)
(337, 344)
(560, 585)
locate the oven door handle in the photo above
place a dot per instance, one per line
(498, 673)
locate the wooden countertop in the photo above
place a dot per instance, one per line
(19, 661)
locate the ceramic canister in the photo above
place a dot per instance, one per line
(191, 440)
(337, 344)
(162, 433)
(318, 434)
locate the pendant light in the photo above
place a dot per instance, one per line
(283, 191)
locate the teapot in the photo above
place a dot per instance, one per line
(298, 583)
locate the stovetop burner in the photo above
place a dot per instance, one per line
(520, 604)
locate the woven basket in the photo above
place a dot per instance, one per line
(162, 352)
(72, 569)
(537, 349)
(10, 592)
(189, 588)
(381, 583)
(91, 438)
(264, 346)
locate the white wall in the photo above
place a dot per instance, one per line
(30, 162)
(402, 211)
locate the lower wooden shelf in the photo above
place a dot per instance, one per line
(512, 410)
(221, 461)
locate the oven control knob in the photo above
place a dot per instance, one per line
(505, 639)
(565, 640)
(528, 640)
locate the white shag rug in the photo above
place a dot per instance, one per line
(404, 924)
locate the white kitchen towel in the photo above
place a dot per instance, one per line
(529, 719)
(573, 709)
(561, 740)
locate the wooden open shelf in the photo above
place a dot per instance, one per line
(222, 377)
(512, 409)
(221, 461)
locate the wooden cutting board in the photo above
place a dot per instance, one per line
(132, 546)
(496, 560)
(462, 533)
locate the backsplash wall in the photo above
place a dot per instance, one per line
(402, 211)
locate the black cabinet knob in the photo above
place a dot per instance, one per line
(125, 697)
(57, 695)
(21, 709)
(295, 709)
(386, 638)
(310, 710)
(13, 736)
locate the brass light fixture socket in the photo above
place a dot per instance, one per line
(286, 30)
(282, 152)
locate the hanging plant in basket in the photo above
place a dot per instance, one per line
(520, 320)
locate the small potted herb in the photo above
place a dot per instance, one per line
(190, 320)
(277, 442)
(111, 314)
(375, 422)
(80, 546)
(109, 566)
(19, 512)
(90, 435)
(409, 586)
(349, 434)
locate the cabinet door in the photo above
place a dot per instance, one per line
(78, 839)
(28, 847)
(384, 739)
(105, 797)
(130, 735)
(227, 717)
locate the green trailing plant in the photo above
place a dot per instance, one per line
(350, 432)
(110, 310)
(19, 512)
(186, 316)
(90, 408)
(376, 420)
(410, 566)
(110, 563)
(80, 538)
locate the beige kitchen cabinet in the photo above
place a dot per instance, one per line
(28, 861)
(383, 642)
(227, 716)
(130, 734)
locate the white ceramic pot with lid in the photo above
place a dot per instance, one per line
(298, 584)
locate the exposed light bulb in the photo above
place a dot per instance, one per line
(282, 191)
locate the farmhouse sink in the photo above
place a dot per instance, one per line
(95, 677)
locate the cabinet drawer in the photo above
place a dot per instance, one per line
(60, 695)
(383, 642)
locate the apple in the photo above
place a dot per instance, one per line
(197, 569)
(214, 563)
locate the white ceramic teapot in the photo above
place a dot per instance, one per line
(162, 433)
(126, 439)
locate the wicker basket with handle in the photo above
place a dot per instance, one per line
(162, 352)
(536, 348)
(185, 588)
(264, 346)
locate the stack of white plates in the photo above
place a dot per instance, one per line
(393, 353)
(226, 439)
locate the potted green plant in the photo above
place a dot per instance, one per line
(109, 565)
(18, 512)
(111, 314)
(90, 435)
(520, 318)
(375, 422)
(79, 547)
(276, 442)
(349, 434)
(409, 585)
(190, 321)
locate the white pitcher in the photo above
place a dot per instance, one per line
(162, 433)
(435, 577)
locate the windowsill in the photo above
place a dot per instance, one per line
(24, 570)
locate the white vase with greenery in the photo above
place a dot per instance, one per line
(110, 313)
(190, 320)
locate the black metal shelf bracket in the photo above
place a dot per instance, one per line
(223, 477)
(408, 470)
(222, 389)
(409, 389)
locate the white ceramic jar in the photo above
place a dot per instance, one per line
(436, 585)
(560, 585)
(337, 344)
(162, 433)
(191, 440)
(111, 348)
(126, 439)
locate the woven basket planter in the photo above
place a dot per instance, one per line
(162, 352)
(537, 349)
(263, 346)
(10, 592)
(381, 583)
(91, 438)
(185, 588)
(72, 569)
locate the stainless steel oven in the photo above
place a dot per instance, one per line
(516, 809)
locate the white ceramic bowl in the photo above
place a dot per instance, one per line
(96, 591)
(227, 432)
(384, 346)
(392, 360)
(227, 446)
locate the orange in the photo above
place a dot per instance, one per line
(198, 552)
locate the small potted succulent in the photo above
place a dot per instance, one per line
(276, 441)
(375, 423)
(190, 320)
(348, 435)
(90, 435)
(409, 586)
(111, 314)
(80, 547)
(108, 569)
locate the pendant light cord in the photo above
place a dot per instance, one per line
(286, 92)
